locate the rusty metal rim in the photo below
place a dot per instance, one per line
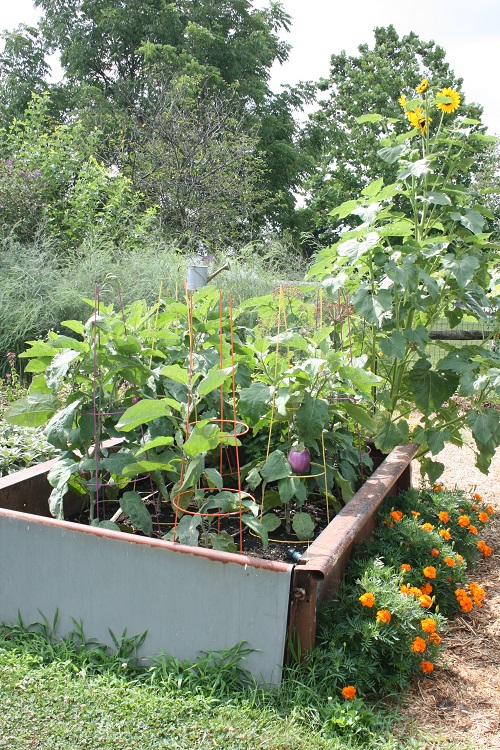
(344, 528)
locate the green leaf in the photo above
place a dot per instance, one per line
(472, 220)
(372, 307)
(271, 522)
(213, 380)
(431, 469)
(193, 472)
(369, 118)
(38, 349)
(253, 478)
(393, 346)
(214, 478)
(345, 209)
(439, 199)
(116, 463)
(58, 368)
(132, 505)
(303, 525)
(430, 388)
(74, 325)
(203, 438)
(223, 542)
(390, 434)
(156, 443)
(186, 531)
(291, 487)
(354, 249)
(373, 189)
(145, 411)
(311, 418)
(176, 373)
(257, 527)
(415, 169)
(463, 268)
(359, 415)
(276, 467)
(391, 155)
(254, 402)
(32, 410)
(59, 427)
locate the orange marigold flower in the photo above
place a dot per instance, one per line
(437, 488)
(367, 600)
(460, 558)
(425, 600)
(384, 616)
(435, 552)
(463, 521)
(406, 567)
(426, 667)
(449, 561)
(415, 513)
(484, 549)
(477, 593)
(418, 645)
(434, 638)
(483, 517)
(472, 529)
(477, 496)
(428, 625)
(427, 526)
(349, 692)
(426, 588)
(445, 533)
(404, 589)
(415, 591)
(444, 516)
(474, 507)
(489, 509)
(396, 515)
(464, 600)
(429, 571)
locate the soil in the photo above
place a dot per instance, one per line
(460, 701)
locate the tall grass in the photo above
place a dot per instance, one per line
(39, 288)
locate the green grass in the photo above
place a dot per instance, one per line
(58, 695)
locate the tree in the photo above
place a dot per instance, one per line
(109, 49)
(23, 70)
(191, 154)
(370, 82)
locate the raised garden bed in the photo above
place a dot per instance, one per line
(188, 599)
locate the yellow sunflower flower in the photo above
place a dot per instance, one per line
(423, 86)
(418, 119)
(454, 102)
(402, 101)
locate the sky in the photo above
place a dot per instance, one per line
(468, 31)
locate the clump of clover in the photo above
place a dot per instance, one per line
(414, 253)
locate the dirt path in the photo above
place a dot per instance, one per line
(460, 702)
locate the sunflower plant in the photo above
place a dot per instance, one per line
(411, 254)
